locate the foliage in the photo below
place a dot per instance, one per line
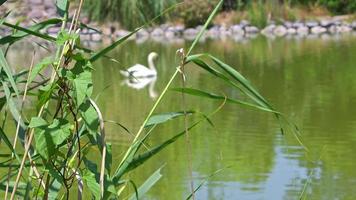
(340, 7)
(130, 13)
(69, 127)
(196, 12)
(257, 14)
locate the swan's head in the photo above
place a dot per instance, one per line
(152, 56)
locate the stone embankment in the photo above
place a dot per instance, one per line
(37, 10)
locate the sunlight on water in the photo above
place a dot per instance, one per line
(311, 81)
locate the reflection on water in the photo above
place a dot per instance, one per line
(311, 81)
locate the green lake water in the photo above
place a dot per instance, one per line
(311, 81)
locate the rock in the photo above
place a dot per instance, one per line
(291, 31)
(288, 24)
(326, 23)
(96, 37)
(343, 29)
(143, 33)
(332, 29)
(311, 24)
(303, 30)
(170, 34)
(36, 14)
(157, 32)
(85, 37)
(244, 23)
(237, 29)
(268, 29)
(35, 2)
(164, 26)
(318, 30)
(353, 25)
(213, 32)
(251, 29)
(224, 31)
(296, 25)
(280, 31)
(190, 33)
(121, 33)
(53, 30)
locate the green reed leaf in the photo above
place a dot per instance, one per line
(164, 117)
(38, 68)
(62, 7)
(201, 93)
(32, 30)
(147, 185)
(6, 68)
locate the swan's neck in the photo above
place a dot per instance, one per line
(151, 64)
(151, 89)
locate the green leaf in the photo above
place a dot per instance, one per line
(44, 94)
(107, 49)
(64, 36)
(108, 158)
(38, 68)
(164, 117)
(12, 105)
(60, 130)
(146, 186)
(5, 67)
(204, 181)
(2, 19)
(93, 185)
(208, 21)
(83, 86)
(32, 30)
(244, 86)
(90, 117)
(6, 140)
(2, 2)
(37, 122)
(201, 93)
(62, 7)
(49, 137)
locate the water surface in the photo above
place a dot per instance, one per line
(312, 81)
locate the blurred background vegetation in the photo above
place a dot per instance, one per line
(132, 13)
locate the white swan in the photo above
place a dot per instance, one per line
(140, 71)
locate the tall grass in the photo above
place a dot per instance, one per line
(61, 139)
(130, 13)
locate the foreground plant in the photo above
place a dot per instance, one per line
(69, 126)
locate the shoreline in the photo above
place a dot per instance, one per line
(322, 27)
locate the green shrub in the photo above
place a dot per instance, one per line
(339, 7)
(130, 13)
(196, 12)
(257, 14)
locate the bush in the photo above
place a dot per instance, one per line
(196, 12)
(130, 13)
(339, 7)
(257, 14)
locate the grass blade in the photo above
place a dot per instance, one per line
(143, 189)
(164, 117)
(5, 67)
(2, 2)
(208, 21)
(32, 30)
(204, 181)
(244, 86)
(201, 93)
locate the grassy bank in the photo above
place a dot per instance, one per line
(131, 13)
